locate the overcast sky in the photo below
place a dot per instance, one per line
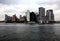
(18, 7)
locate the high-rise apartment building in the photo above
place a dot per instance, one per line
(41, 14)
(42, 11)
(50, 15)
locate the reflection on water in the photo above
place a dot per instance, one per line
(28, 32)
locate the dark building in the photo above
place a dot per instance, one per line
(33, 17)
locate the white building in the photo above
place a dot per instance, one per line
(28, 15)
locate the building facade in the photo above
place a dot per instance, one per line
(22, 19)
(41, 14)
(28, 15)
(50, 15)
(33, 17)
(14, 18)
(8, 18)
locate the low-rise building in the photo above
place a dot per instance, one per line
(14, 18)
(8, 18)
(22, 18)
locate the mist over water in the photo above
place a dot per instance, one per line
(29, 32)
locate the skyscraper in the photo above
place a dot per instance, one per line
(33, 17)
(41, 14)
(50, 15)
(28, 15)
(42, 11)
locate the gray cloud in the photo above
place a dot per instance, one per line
(50, 3)
(9, 1)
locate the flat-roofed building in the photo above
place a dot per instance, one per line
(50, 15)
(41, 14)
(28, 15)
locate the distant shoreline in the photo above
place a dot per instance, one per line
(33, 22)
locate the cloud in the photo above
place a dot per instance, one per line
(17, 1)
(9, 1)
(50, 3)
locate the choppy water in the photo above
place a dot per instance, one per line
(29, 32)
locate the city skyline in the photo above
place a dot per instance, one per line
(32, 17)
(21, 6)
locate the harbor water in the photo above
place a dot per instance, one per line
(29, 32)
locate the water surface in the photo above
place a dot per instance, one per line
(29, 32)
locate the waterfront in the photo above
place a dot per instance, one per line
(29, 32)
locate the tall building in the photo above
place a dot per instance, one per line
(33, 17)
(41, 14)
(28, 15)
(42, 11)
(50, 15)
